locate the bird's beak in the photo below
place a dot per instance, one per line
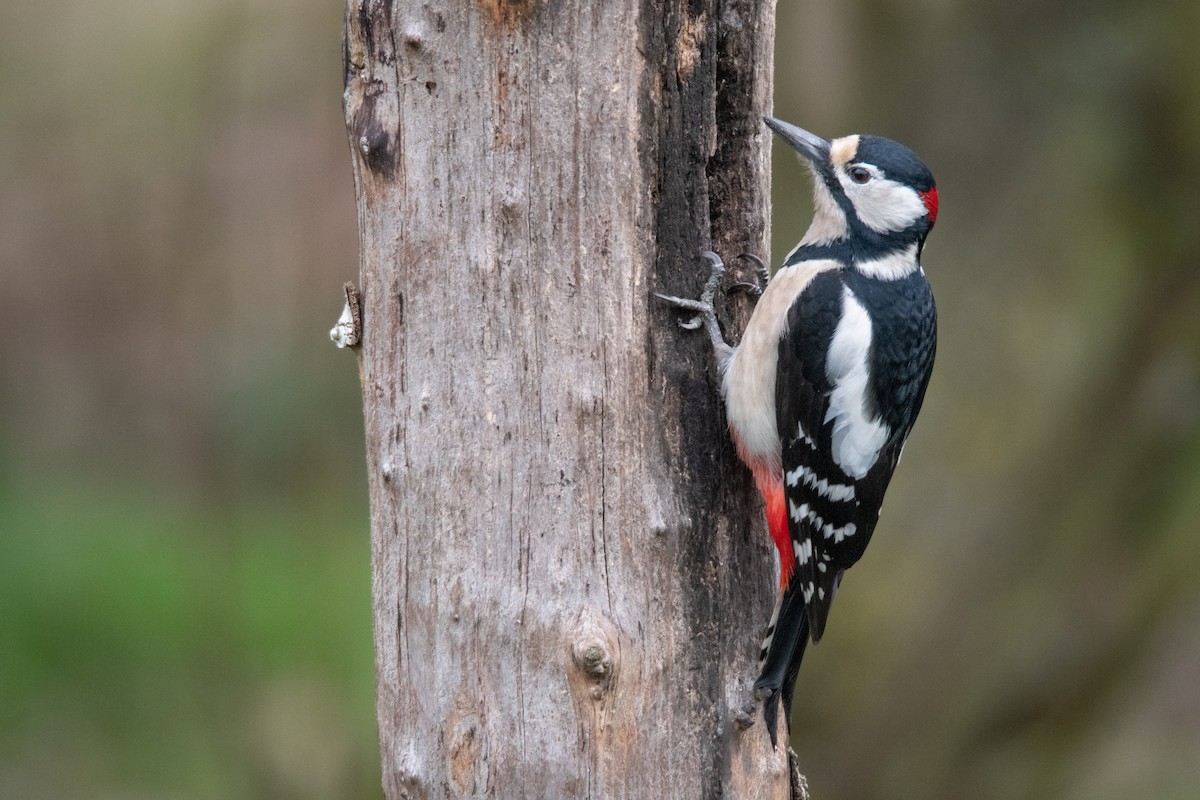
(809, 145)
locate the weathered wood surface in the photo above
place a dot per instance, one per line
(570, 575)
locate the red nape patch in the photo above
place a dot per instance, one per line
(930, 199)
(777, 523)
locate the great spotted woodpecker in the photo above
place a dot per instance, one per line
(829, 376)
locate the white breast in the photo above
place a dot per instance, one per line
(749, 381)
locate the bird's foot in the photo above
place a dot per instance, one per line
(706, 313)
(705, 304)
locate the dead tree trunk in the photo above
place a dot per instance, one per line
(570, 575)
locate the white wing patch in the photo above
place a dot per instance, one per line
(856, 438)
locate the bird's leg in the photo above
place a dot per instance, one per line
(707, 315)
(761, 272)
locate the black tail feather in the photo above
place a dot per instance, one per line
(789, 680)
(781, 663)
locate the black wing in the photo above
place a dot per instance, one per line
(801, 404)
(831, 515)
(802, 391)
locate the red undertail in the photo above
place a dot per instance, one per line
(777, 523)
(770, 486)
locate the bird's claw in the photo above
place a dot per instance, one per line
(761, 272)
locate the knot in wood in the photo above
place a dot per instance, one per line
(593, 659)
(594, 656)
(377, 145)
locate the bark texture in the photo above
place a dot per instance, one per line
(570, 575)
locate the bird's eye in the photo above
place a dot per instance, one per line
(860, 174)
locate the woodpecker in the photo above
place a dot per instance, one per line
(828, 379)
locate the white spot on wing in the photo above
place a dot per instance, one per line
(837, 492)
(803, 550)
(856, 438)
(802, 436)
(837, 534)
(802, 512)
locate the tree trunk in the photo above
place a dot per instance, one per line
(570, 572)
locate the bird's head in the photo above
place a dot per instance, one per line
(870, 190)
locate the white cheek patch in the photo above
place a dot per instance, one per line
(884, 205)
(856, 438)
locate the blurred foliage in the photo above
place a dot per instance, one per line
(156, 648)
(184, 559)
(184, 555)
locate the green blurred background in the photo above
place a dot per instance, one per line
(184, 579)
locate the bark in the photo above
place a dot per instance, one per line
(570, 574)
